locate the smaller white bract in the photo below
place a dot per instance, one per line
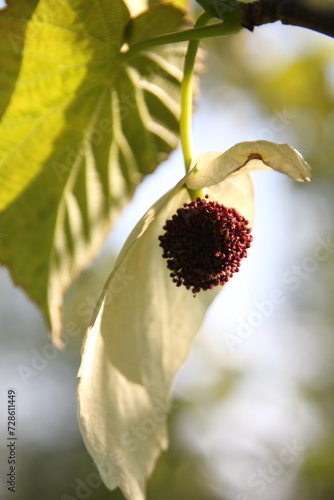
(144, 324)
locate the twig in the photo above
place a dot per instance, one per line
(312, 14)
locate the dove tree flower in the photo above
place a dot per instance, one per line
(144, 324)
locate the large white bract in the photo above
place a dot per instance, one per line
(144, 325)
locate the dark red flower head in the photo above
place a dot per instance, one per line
(204, 243)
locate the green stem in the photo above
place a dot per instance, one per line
(187, 102)
(214, 30)
(187, 96)
(231, 25)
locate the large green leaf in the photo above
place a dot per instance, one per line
(81, 125)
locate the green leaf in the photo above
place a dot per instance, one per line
(228, 11)
(82, 124)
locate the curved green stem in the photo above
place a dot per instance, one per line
(187, 96)
(231, 25)
(197, 33)
(187, 102)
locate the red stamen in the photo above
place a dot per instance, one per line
(204, 244)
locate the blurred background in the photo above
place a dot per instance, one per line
(253, 412)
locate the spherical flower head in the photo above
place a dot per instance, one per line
(204, 244)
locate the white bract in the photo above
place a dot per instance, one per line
(144, 325)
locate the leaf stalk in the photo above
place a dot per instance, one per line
(196, 33)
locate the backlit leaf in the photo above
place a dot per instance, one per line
(81, 126)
